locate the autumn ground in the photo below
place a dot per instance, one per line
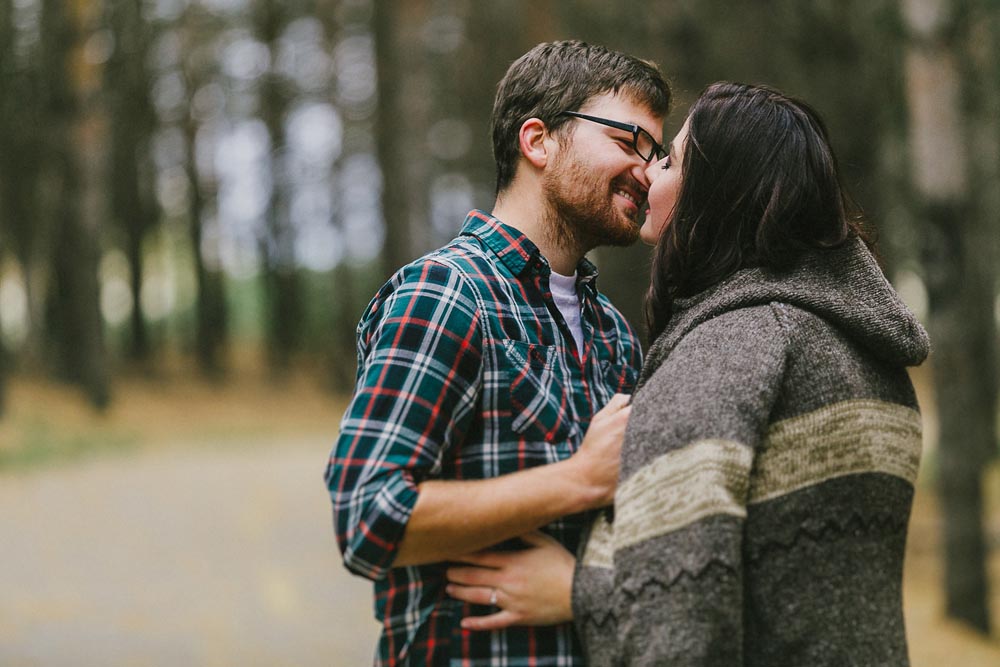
(189, 525)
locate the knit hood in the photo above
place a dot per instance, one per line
(843, 285)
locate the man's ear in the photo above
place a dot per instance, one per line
(535, 142)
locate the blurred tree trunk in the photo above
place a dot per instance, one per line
(132, 121)
(7, 72)
(73, 154)
(3, 373)
(342, 343)
(211, 311)
(403, 120)
(24, 231)
(358, 139)
(282, 280)
(3, 354)
(961, 287)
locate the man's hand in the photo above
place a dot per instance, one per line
(529, 587)
(597, 460)
(455, 517)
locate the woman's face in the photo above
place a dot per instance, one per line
(665, 184)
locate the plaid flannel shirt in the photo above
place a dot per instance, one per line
(466, 370)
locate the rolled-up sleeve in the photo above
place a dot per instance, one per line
(419, 379)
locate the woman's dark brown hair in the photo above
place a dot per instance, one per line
(759, 187)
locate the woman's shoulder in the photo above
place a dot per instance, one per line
(735, 346)
(731, 332)
(763, 318)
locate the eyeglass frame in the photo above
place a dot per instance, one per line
(659, 151)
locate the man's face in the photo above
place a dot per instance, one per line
(596, 184)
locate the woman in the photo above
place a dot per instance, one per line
(767, 470)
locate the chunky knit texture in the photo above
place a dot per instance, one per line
(767, 479)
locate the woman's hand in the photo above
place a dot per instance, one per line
(530, 587)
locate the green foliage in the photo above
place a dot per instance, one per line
(37, 441)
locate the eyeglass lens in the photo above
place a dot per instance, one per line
(646, 146)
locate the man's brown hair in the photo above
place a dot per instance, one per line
(562, 76)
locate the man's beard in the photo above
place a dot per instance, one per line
(581, 210)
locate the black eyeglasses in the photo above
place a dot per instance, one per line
(643, 143)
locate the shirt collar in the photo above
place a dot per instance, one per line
(516, 250)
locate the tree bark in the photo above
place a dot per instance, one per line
(282, 281)
(211, 313)
(211, 336)
(25, 229)
(133, 209)
(961, 289)
(3, 363)
(358, 139)
(6, 70)
(75, 160)
(403, 120)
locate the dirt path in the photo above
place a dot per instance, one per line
(225, 556)
(185, 557)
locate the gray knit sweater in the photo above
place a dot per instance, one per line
(767, 477)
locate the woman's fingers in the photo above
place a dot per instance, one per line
(483, 559)
(502, 619)
(472, 576)
(480, 595)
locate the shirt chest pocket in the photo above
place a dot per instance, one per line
(541, 407)
(618, 379)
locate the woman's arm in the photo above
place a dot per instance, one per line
(681, 500)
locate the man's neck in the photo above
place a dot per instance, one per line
(532, 219)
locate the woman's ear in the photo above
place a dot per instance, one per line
(535, 142)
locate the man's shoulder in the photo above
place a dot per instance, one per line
(468, 255)
(463, 262)
(448, 273)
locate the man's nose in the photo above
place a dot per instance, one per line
(642, 173)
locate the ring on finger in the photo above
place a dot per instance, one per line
(493, 597)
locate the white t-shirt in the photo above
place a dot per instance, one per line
(567, 300)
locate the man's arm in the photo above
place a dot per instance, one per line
(453, 518)
(419, 384)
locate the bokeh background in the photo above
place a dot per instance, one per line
(198, 198)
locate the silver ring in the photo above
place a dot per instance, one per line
(493, 598)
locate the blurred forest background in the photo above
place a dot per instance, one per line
(194, 188)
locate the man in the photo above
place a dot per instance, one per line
(482, 364)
